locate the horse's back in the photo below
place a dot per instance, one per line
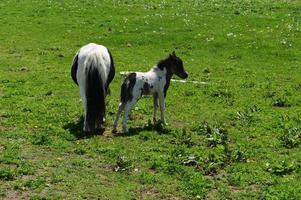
(95, 52)
(93, 48)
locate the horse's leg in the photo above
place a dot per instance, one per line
(120, 109)
(89, 124)
(90, 119)
(86, 127)
(162, 107)
(127, 110)
(99, 121)
(155, 102)
(86, 123)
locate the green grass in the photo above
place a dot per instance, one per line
(235, 138)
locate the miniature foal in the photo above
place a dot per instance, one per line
(154, 82)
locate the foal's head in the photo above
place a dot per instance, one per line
(176, 66)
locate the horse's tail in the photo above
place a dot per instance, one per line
(74, 68)
(95, 96)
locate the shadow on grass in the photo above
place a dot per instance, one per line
(76, 129)
(158, 127)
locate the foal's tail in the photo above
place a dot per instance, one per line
(95, 94)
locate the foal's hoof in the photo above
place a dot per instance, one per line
(154, 120)
(125, 130)
(162, 123)
(114, 131)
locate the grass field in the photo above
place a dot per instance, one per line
(238, 137)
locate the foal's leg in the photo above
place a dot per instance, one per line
(162, 107)
(127, 109)
(155, 102)
(120, 109)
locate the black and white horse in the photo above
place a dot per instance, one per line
(154, 82)
(93, 70)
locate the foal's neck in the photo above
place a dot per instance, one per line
(164, 65)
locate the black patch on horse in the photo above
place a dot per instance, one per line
(74, 69)
(111, 73)
(127, 86)
(166, 86)
(146, 89)
(166, 63)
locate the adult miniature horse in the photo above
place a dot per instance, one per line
(93, 70)
(154, 82)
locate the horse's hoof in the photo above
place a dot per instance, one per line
(86, 130)
(100, 130)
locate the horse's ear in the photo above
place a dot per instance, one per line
(174, 53)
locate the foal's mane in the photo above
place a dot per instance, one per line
(164, 63)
